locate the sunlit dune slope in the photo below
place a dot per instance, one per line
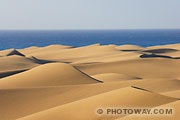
(142, 68)
(52, 74)
(85, 109)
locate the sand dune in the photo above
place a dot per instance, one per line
(173, 46)
(42, 50)
(9, 73)
(142, 68)
(129, 97)
(52, 74)
(156, 56)
(11, 52)
(5, 52)
(175, 93)
(77, 53)
(130, 47)
(121, 56)
(165, 50)
(40, 61)
(15, 62)
(159, 85)
(47, 97)
(15, 52)
(69, 83)
(114, 77)
(175, 54)
(161, 52)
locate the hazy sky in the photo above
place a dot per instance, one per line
(89, 14)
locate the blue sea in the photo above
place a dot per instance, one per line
(26, 38)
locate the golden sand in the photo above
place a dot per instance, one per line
(59, 82)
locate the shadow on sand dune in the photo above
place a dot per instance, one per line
(9, 73)
(15, 52)
(140, 88)
(160, 50)
(40, 61)
(155, 56)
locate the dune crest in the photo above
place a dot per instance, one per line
(15, 52)
(52, 74)
(130, 48)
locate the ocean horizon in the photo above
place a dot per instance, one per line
(19, 39)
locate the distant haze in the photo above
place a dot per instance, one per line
(89, 14)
